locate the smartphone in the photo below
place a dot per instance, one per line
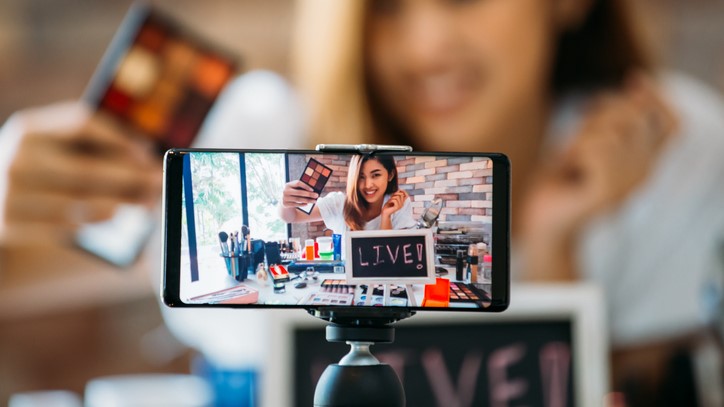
(231, 241)
(159, 79)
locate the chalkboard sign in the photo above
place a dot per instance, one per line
(491, 364)
(390, 256)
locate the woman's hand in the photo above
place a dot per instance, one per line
(296, 194)
(619, 141)
(394, 204)
(67, 166)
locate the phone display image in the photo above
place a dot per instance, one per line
(159, 78)
(430, 207)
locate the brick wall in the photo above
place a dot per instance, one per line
(464, 184)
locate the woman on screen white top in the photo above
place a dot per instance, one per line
(373, 199)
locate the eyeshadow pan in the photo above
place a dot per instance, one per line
(315, 175)
(210, 75)
(309, 171)
(150, 117)
(305, 178)
(151, 37)
(138, 72)
(179, 58)
(326, 172)
(117, 101)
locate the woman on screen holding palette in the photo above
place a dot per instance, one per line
(373, 199)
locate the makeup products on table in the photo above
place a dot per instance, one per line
(337, 246)
(459, 266)
(236, 257)
(487, 267)
(159, 78)
(461, 292)
(337, 286)
(278, 273)
(438, 294)
(325, 247)
(309, 249)
(240, 294)
(315, 175)
(326, 298)
(473, 263)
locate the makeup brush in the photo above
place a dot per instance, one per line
(245, 236)
(223, 238)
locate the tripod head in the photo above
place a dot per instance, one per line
(359, 379)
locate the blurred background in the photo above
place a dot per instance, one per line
(48, 51)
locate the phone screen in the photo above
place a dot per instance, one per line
(160, 80)
(413, 230)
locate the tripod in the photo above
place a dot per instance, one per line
(359, 379)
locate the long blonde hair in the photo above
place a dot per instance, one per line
(329, 68)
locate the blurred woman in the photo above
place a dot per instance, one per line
(373, 199)
(616, 175)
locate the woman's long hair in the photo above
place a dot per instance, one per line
(355, 206)
(328, 63)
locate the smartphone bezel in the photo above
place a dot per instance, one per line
(172, 214)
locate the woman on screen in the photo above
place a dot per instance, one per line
(373, 199)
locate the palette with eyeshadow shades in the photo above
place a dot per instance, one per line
(315, 175)
(159, 78)
(461, 292)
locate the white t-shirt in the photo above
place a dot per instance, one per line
(660, 256)
(331, 208)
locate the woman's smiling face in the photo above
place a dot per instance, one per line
(455, 71)
(372, 181)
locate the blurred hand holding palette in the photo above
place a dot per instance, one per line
(159, 78)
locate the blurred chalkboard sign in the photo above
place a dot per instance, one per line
(390, 256)
(490, 364)
(549, 348)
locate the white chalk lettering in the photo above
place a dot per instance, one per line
(393, 257)
(361, 259)
(377, 251)
(555, 358)
(441, 382)
(504, 390)
(407, 253)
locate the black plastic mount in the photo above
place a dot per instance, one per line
(360, 316)
(359, 379)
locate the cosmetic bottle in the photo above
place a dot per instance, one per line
(473, 263)
(487, 267)
(459, 266)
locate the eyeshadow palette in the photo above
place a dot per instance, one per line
(337, 286)
(460, 292)
(315, 175)
(326, 298)
(159, 78)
